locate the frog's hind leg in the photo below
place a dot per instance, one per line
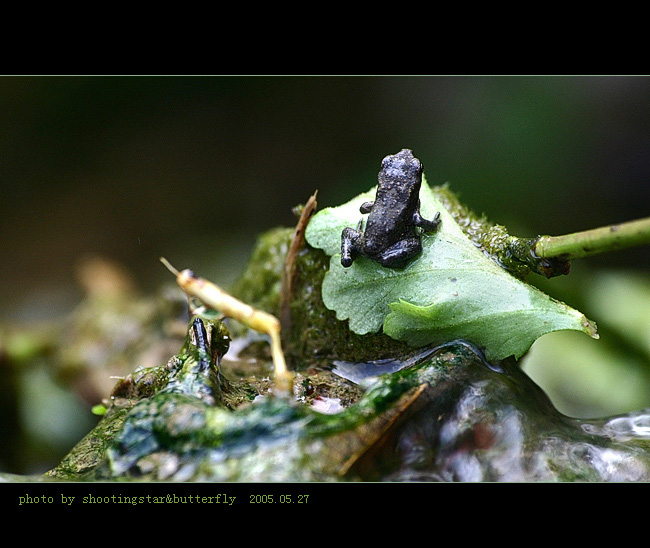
(425, 224)
(351, 244)
(400, 253)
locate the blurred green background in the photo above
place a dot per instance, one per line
(193, 168)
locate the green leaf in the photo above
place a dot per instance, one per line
(452, 290)
(98, 409)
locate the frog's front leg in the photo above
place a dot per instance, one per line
(351, 245)
(425, 224)
(397, 255)
(366, 207)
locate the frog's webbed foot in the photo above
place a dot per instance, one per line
(425, 224)
(351, 244)
(400, 253)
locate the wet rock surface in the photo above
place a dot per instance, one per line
(495, 424)
(447, 416)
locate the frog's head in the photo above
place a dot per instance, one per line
(402, 167)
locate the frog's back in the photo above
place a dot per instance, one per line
(391, 218)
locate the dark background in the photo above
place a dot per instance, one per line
(193, 168)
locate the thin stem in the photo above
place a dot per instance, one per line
(592, 242)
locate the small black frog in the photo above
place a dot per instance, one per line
(390, 237)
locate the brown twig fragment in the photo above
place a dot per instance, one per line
(297, 242)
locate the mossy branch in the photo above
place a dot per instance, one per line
(592, 242)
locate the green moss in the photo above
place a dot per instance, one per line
(91, 450)
(492, 238)
(512, 253)
(260, 283)
(316, 337)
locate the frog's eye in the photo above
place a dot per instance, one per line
(417, 165)
(386, 162)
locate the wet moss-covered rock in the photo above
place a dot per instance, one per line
(432, 414)
(260, 284)
(448, 416)
(316, 337)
